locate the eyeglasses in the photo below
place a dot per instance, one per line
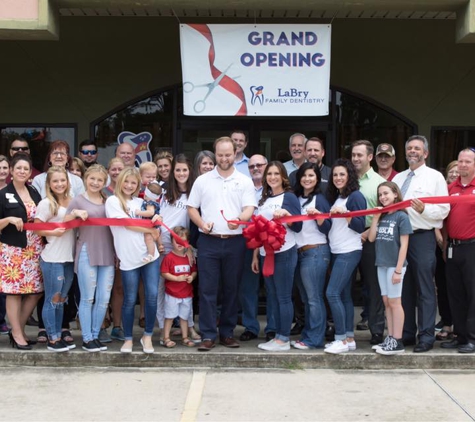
(254, 166)
(59, 153)
(20, 148)
(89, 152)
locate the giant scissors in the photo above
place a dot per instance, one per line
(200, 105)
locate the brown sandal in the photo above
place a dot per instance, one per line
(169, 344)
(187, 342)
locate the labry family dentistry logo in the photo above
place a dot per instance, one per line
(257, 94)
(282, 96)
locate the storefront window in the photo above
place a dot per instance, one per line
(358, 118)
(351, 117)
(153, 114)
(447, 142)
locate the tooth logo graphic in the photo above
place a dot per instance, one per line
(257, 94)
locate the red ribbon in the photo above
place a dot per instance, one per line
(262, 232)
(124, 222)
(394, 207)
(229, 84)
(268, 234)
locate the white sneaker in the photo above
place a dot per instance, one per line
(299, 345)
(262, 345)
(337, 347)
(351, 345)
(275, 347)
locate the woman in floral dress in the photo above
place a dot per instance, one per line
(20, 274)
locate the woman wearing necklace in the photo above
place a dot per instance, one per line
(94, 263)
(20, 274)
(279, 201)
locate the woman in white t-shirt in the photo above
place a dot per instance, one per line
(130, 247)
(57, 259)
(278, 201)
(346, 248)
(174, 213)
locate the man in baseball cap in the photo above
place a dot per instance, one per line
(385, 157)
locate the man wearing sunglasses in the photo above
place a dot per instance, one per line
(88, 152)
(21, 145)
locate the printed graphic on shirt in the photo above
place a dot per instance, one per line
(386, 233)
(182, 269)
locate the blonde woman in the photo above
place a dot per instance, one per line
(130, 247)
(94, 261)
(57, 259)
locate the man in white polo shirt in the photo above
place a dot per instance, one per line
(221, 245)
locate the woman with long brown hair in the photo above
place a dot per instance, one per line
(277, 201)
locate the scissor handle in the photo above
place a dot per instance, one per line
(199, 106)
(188, 87)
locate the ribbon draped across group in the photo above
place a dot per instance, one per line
(270, 234)
(124, 222)
(260, 232)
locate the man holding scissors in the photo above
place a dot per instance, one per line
(221, 245)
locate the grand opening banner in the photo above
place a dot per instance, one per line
(255, 70)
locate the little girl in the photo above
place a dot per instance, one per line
(391, 232)
(178, 275)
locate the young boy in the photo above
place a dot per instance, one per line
(150, 192)
(178, 275)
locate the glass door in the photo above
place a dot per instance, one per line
(269, 137)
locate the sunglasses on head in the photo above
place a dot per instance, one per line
(20, 148)
(90, 152)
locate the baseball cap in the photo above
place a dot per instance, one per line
(385, 149)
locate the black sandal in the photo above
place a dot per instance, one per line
(67, 337)
(42, 336)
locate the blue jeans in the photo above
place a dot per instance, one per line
(95, 285)
(339, 293)
(279, 292)
(57, 278)
(249, 295)
(310, 278)
(150, 274)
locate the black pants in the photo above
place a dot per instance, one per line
(441, 284)
(460, 271)
(369, 274)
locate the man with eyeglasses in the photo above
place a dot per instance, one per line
(88, 152)
(249, 288)
(385, 158)
(21, 145)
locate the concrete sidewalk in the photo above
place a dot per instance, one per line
(99, 394)
(247, 356)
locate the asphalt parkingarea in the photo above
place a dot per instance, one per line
(247, 356)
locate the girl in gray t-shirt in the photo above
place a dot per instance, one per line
(391, 232)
